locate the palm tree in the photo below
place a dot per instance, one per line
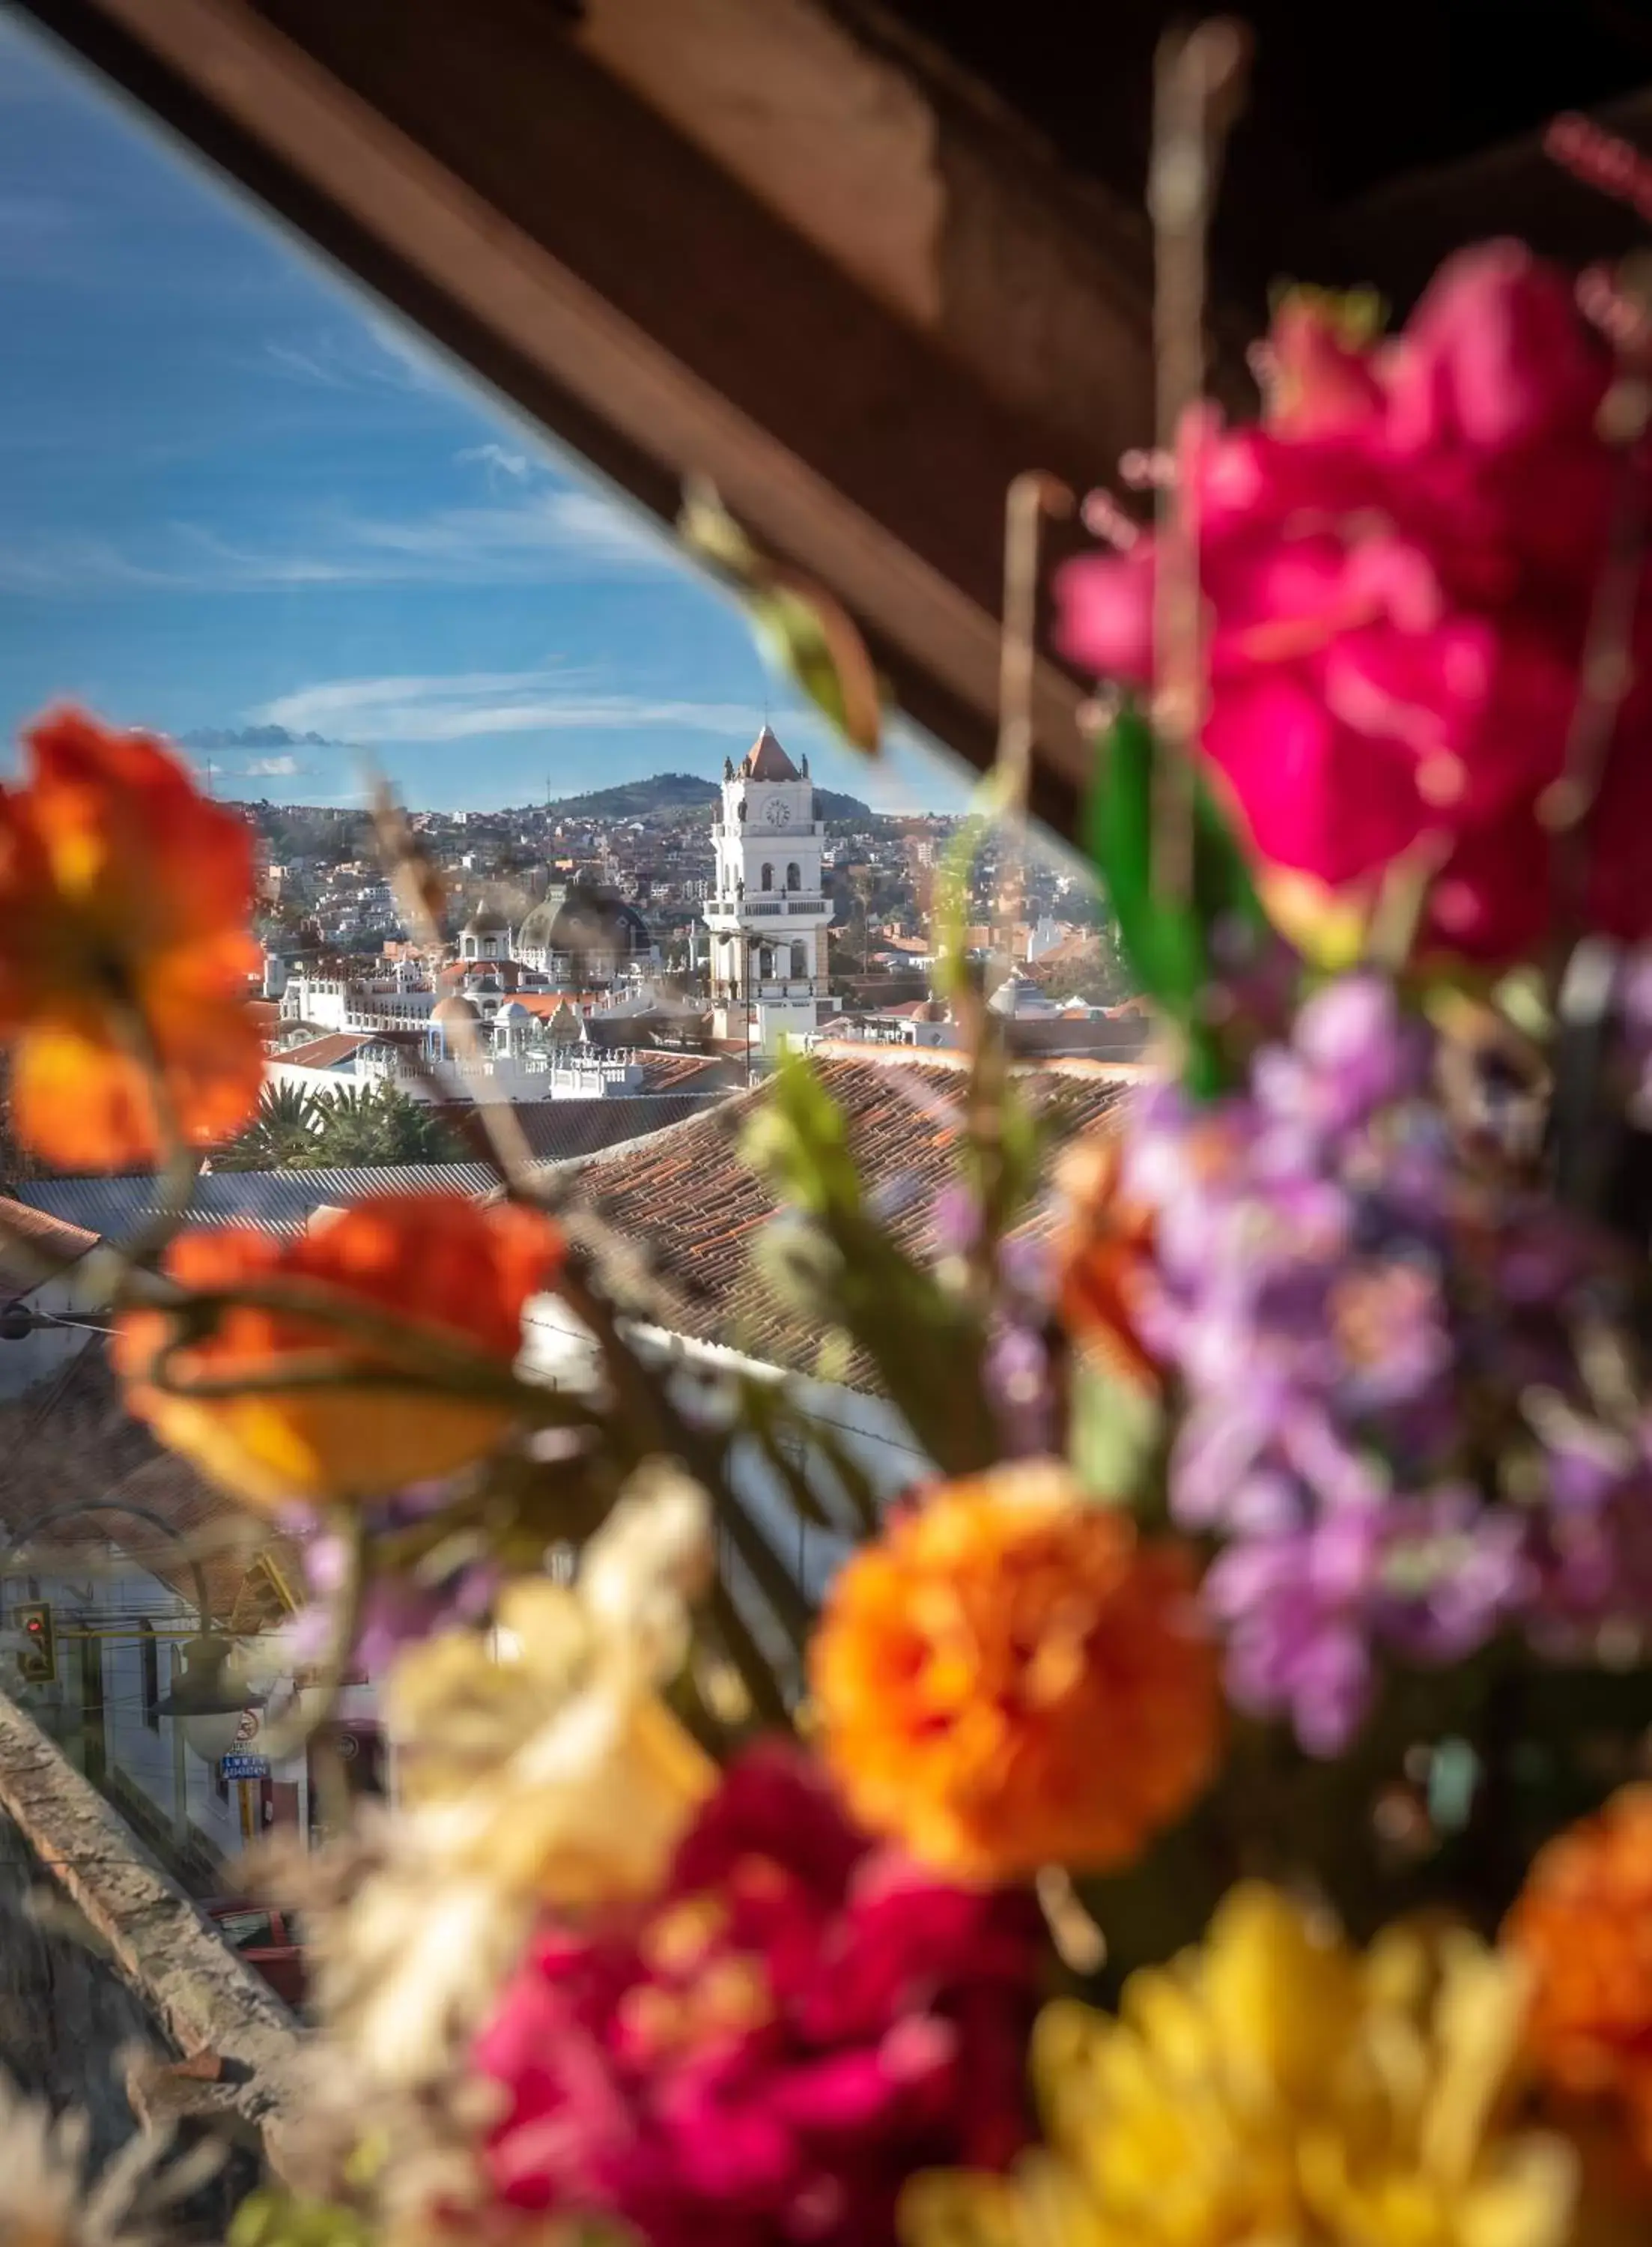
(379, 1125)
(281, 1136)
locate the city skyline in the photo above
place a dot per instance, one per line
(234, 493)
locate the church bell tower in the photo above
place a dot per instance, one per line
(767, 916)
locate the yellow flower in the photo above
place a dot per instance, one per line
(1273, 2088)
(537, 1765)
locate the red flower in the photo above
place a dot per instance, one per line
(455, 1270)
(125, 949)
(796, 2025)
(1400, 565)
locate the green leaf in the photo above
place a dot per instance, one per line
(834, 1264)
(1114, 1435)
(812, 637)
(804, 629)
(798, 1139)
(1166, 938)
(279, 2219)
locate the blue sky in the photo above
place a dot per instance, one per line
(233, 491)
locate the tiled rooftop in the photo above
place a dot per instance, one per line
(328, 1052)
(562, 1131)
(675, 1072)
(686, 1196)
(29, 1237)
(69, 1443)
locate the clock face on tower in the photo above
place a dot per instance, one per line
(778, 814)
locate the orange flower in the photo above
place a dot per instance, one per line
(1583, 1922)
(125, 896)
(1103, 1247)
(455, 1270)
(1010, 1679)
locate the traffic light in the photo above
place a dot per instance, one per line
(38, 1656)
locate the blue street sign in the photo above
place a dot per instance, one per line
(244, 1767)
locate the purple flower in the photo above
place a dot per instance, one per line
(1016, 1374)
(1368, 1333)
(1292, 1605)
(395, 1607)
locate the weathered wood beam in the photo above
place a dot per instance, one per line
(213, 2008)
(542, 221)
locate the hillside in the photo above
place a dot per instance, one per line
(665, 795)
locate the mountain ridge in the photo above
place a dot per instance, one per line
(663, 793)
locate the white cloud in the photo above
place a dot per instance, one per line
(74, 564)
(550, 535)
(272, 767)
(510, 540)
(370, 354)
(492, 457)
(478, 705)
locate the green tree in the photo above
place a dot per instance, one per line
(281, 1136)
(379, 1125)
(1094, 971)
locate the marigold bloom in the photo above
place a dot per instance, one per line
(764, 2054)
(125, 899)
(1010, 1679)
(1274, 2086)
(453, 1270)
(1583, 1923)
(1104, 1251)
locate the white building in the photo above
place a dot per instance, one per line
(768, 915)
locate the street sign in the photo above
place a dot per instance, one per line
(244, 1767)
(247, 1727)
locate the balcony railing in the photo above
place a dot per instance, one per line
(780, 902)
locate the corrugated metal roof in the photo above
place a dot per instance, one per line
(285, 1198)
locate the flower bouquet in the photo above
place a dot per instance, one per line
(1210, 1809)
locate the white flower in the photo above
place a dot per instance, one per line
(539, 1766)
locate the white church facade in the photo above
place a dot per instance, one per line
(768, 913)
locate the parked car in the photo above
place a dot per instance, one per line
(267, 1940)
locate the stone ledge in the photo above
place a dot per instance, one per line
(198, 1992)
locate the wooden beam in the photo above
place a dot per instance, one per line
(543, 222)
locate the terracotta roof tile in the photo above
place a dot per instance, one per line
(766, 759)
(71, 1445)
(30, 1239)
(687, 1198)
(563, 1131)
(676, 1070)
(327, 1052)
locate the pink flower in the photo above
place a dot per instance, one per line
(764, 2055)
(1399, 563)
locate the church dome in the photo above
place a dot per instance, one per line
(486, 920)
(514, 1011)
(454, 1009)
(583, 920)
